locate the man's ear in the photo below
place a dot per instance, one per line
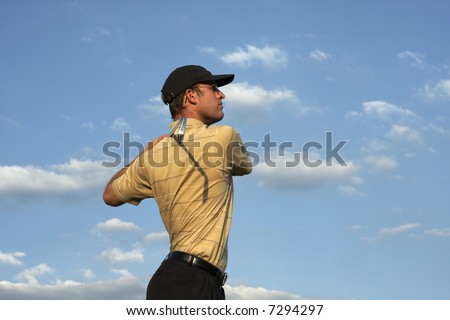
(191, 96)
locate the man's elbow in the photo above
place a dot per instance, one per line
(242, 170)
(247, 171)
(111, 199)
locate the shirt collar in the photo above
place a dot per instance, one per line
(190, 122)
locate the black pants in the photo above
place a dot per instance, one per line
(179, 280)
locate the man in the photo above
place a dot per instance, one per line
(189, 173)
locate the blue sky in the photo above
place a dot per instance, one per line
(76, 75)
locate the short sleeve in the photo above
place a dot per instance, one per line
(134, 185)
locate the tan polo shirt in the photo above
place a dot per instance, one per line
(193, 186)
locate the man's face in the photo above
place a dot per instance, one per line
(210, 103)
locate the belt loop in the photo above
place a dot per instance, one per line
(224, 279)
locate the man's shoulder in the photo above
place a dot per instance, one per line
(224, 133)
(222, 129)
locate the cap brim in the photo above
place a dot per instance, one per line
(223, 79)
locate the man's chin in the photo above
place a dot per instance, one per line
(221, 117)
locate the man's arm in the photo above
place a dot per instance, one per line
(240, 161)
(109, 196)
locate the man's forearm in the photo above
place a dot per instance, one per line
(109, 196)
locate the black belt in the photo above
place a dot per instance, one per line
(221, 277)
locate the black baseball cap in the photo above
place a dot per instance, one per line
(185, 77)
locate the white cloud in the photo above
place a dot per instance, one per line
(116, 255)
(285, 176)
(385, 111)
(443, 233)
(268, 56)
(438, 91)
(405, 134)
(353, 115)
(248, 293)
(88, 37)
(388, 232)
(245, 95)
(30, 275)
(254, 103)
(415, 58)
(153, 107)
(375, 145)
(319, 55)
(122, 272)
(11, 258)
(123, 288)
(380, 163)
(115, 224)
(210, 50)
(435, 128)
(88, 125)
(88, 273)
(349, 190)
(120, 124)
(60, 180)
(156, 236)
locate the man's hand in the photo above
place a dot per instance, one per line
(154, 142)
(109, 197)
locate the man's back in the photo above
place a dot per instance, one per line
(193, 186)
